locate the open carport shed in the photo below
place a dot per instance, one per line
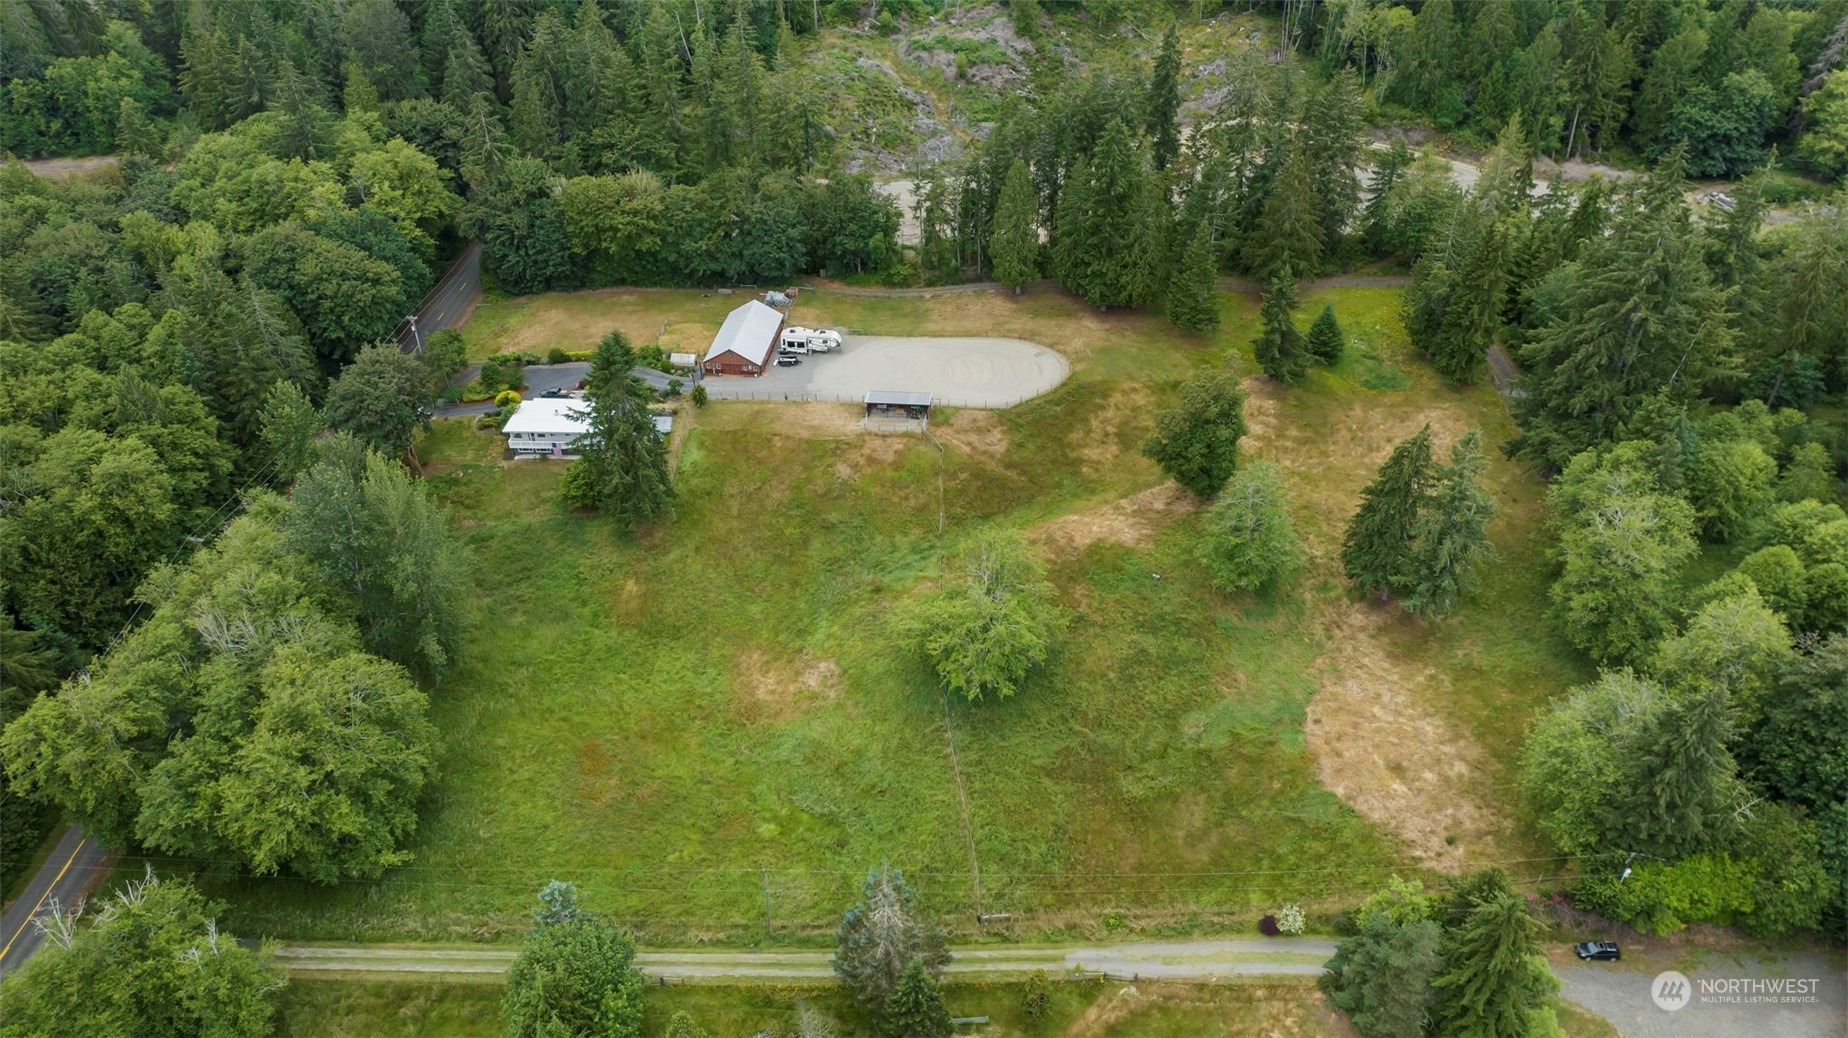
(886, 403)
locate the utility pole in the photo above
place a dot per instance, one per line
(768, 924)
(415, 336)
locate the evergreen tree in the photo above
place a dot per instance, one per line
(1072, 251)
(622, 466)
(1495, 982)
(1193, 302)
(1013, 249)
(1325, 341)
(1640, 316)
(1288, 234)
(1380, 535)
(1684, 783)
(1472, 312)
(1116, 229)
(1196, 441)
(1335, 145)
(1376, 216)
(1281, 351)
(1450, 538)
(883, 937)
(915, 1008)
(1164, 101)
(1381, 977)
(1250, 542)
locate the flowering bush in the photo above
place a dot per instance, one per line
(1291, 920)
(1268, 926)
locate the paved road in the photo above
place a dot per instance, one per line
(1619, 992)
(75, 864)
(541, 377)
(1194, 960)
(450, 302)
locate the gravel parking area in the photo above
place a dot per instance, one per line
(1619, 992)
(960, 372)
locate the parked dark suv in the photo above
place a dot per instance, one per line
(1598, 951)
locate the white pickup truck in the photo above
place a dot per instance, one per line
(796, 339)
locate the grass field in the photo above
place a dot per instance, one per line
(1079, 1009)
(712, 730)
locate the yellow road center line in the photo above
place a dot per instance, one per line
(41, 901)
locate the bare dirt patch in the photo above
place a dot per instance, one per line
(870, 452)
(771, 690)
(1382, 749)
(1132, 521)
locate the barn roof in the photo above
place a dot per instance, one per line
(549, 416)
(894, 398)
(749, 331)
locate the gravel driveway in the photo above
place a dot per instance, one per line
(1619, 992)
(963, 372)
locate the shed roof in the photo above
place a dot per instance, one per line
(894, 398)
(749, 331)
(553, 416)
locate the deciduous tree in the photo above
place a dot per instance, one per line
(991, 621)
(1196, 441)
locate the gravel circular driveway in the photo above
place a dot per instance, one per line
(974, 372)
(956, 371)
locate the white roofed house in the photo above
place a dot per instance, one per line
(547, 427)
(746, 341)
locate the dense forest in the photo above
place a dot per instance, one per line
(176, 334)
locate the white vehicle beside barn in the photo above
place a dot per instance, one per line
(797, 339)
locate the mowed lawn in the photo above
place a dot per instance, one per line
(713, 730)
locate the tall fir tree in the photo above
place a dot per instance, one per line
(1325, 341)
(1640, 316)
(1451, 537)
(1288, 233)
(1334, 125)
(915, 1009)
(1495, 982)
(1681, 795)
(622, 467)
(1164, 101)
(1192, 300)
(1380, 535)
(1013, 249)
(1281, 351)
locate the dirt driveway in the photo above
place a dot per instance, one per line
(963, 372)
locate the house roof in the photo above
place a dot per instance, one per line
(749, 331)
(891, 397)
(553, 416)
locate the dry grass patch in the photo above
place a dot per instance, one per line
(802, 421)
(1132, 521)
(972, 431)
(767, 690)
(1266, 1010)
(1381, 747)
